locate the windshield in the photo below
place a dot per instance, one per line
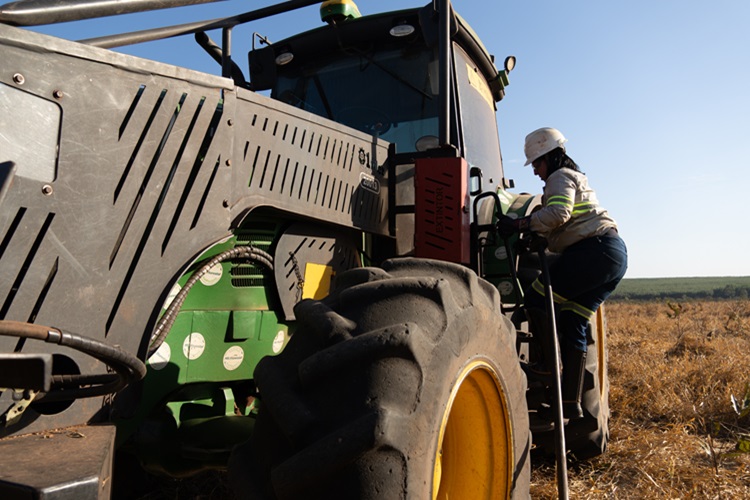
(390, 93)
(478, 120)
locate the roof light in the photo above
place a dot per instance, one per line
(284, 58)
(402, 30)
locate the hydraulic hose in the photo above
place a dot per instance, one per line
(127, 367)
(170, 315)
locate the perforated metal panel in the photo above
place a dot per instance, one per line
(154, 164)
(288, 158)
(442, 215)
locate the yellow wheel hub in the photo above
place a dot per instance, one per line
(474, 458)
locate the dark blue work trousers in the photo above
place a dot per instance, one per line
(582, 277)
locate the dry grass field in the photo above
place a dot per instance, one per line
(674, 369)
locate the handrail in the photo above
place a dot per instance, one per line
(150, 35)
(39, 12)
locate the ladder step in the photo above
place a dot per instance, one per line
(522, 336)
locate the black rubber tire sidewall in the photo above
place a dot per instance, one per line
(588, 437)
(352, 407)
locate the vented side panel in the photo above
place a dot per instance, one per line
(246, 273)
(296, 161)
(154, 165)
(442, 215)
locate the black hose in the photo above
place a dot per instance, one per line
(127, 367)
(77, 380)
(170, 315)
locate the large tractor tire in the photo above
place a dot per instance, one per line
(588, 437)
(403, 384)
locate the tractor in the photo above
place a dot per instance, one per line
(290, 272)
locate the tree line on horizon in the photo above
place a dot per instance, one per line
(644, 293)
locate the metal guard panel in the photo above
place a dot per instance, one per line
(74, 462)
(45, 44)
(307, 165)
(154, 164)
(441, 201)
(136, 194)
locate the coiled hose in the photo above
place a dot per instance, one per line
(169, 317)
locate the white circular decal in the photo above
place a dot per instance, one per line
(172, 294)
(233, 357)
(161, 357)
(501, 253)
(278, 342)
(194, 346)
(213, 275)
(505, 287)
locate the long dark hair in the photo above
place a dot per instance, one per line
(557, 159)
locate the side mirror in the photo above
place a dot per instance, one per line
(475, 181)
(262, 68)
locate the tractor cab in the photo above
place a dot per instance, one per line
(380, 74)
(388, 75)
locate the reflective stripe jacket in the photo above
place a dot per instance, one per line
(571, 212)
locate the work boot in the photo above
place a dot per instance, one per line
(541, 369)
(574, 366)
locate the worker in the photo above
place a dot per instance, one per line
(592, 260)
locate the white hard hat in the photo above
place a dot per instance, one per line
(542, 141)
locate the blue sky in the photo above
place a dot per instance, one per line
(650, 95)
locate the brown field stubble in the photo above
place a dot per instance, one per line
(674, 432)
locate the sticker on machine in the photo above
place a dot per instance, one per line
(501, 253)
(233, 357)
(172, 294)
(161, 357)
(505, 287)
(278, 342)
(213, 275)
(194, 346)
